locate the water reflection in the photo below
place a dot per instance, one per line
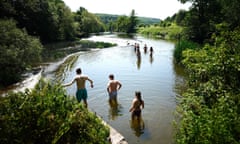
(138, 126)
(156, 81)
(139, 62)
(151, 59)
(114, 110)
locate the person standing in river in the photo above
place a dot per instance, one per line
(151, 51)
(137, 106)
(113, 87)
(80, 80)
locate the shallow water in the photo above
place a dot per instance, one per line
(157, 78)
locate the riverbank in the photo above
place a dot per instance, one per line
(50, 67)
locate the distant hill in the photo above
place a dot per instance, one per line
(106, 18)
(147, 20)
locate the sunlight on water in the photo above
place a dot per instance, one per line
(154, 77)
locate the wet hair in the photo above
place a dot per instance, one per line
(78, 71)
(111, 76)
(138, 95)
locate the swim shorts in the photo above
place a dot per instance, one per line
(81, 94)
(136, 113)
(113, 95)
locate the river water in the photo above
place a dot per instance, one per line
(156, 77)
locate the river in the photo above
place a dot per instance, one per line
(156, 77)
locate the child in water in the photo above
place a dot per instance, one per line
(137, 105)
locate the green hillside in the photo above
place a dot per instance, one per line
(107, 18)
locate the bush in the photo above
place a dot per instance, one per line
(181, 46)
(48, 115)
(209, 110)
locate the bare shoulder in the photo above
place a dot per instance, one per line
(84, 76)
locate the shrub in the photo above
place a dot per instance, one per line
(209, 110)
(48, 115)
(181, 46)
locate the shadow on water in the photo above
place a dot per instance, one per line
(137, 126)
(114, 110)
(181, 79)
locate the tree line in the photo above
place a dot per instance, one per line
(27, 25)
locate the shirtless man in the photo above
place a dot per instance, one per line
(112, 87)
(81, 89)
(137, 105)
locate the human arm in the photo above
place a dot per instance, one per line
(91, 82)
(70, 83)
(119, 85)
(142, 104)
(132, 106)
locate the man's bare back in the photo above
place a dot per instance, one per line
(81, 89)
(81, 80)
(113, 85)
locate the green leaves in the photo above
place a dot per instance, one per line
(47, 115)
(209, 109)
(18, 51)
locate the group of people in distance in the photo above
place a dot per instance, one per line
(113, 87)
(145, 48)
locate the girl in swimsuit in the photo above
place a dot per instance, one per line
(137, 105)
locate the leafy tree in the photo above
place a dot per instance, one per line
(132, 23)
(180, 17)
(122, 24)
(51, 20)
(67, 27)
(88, 22)
(18, 51)
(230, 12)
(201, 19)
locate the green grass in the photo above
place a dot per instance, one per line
(170, 32)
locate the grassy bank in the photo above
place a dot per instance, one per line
(169, 32)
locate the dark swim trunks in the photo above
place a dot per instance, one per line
(137, 113)
(81, 94)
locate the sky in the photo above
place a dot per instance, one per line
(146, 8)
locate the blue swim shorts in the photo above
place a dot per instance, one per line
(113, 95)
(81, 94)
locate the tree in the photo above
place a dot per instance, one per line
(19, 51)
(88, 22)
(230, 12)
(51, 20)
(132, 23)
(122, 24)
(126, 24)
(180, 17)
(201, 19)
